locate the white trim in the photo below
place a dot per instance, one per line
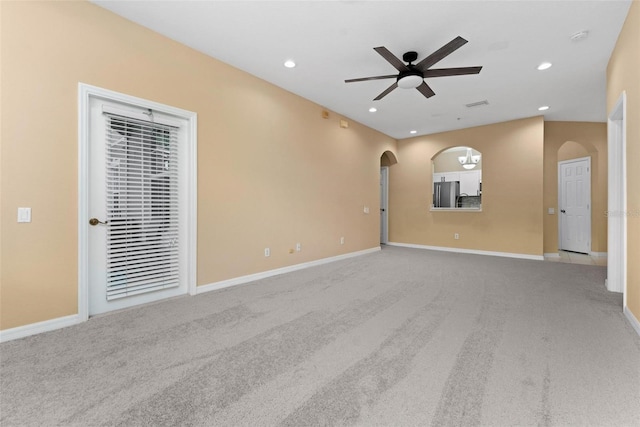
(384, 204)
(192, 206)
(39, 327)
(551, 255)
(85, 94)
(632, 319)
(598, 254)
(270, 273)
(469, 251)
(617, 199)
(63, 322)
(560, 190)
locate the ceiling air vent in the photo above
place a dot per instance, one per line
(477, 104)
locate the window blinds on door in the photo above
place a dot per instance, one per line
(142, 206)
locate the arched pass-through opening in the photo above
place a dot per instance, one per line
(386, 159)
(457, 179)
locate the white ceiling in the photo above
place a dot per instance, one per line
(333, 40)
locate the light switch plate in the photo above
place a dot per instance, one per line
(24, 214)
(552, 211)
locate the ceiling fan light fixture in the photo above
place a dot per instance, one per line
(373, 109)
(410, 81)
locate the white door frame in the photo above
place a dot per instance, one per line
(617, 199)
(85, 94)
(384, 204)
(560, 190)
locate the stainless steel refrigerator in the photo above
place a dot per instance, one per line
(445, 194)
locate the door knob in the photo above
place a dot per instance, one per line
(96, 221)
(563, 211)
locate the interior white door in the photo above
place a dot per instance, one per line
(574, 194)
(384, 205)
(134, 206)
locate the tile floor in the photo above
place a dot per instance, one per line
(575, 258)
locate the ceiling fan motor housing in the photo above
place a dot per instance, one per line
(410, 56)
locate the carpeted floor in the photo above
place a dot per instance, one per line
(401, 337)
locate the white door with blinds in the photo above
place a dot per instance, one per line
(135, 207)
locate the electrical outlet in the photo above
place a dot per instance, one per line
(342, 240)
(298, 247)
(366, 209)
(267, 252)
(456, 236)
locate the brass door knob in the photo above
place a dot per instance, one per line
(96, 221)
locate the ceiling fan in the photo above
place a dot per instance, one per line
(413, 75)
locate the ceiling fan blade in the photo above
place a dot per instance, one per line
(391, 58)
(425, 90)
(439, 54)
(364, 79)
(386, 92)
(444, 72)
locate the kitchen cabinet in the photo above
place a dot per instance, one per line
(470, 182)
(446, 176)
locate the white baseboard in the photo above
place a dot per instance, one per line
(39, 327)
(469, 251)
(263, 275)
(551, 255)
(632, 319)
(63, 322)
(598, 254)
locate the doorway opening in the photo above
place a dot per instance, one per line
(387, 159)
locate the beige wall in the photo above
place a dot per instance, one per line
(271, 171)
(571, 140)
(622, 75)
(511, 219)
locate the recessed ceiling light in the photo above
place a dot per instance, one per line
(544, 66)
(413, 132)
(289, 63)
(373, 109)
(543, 108)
